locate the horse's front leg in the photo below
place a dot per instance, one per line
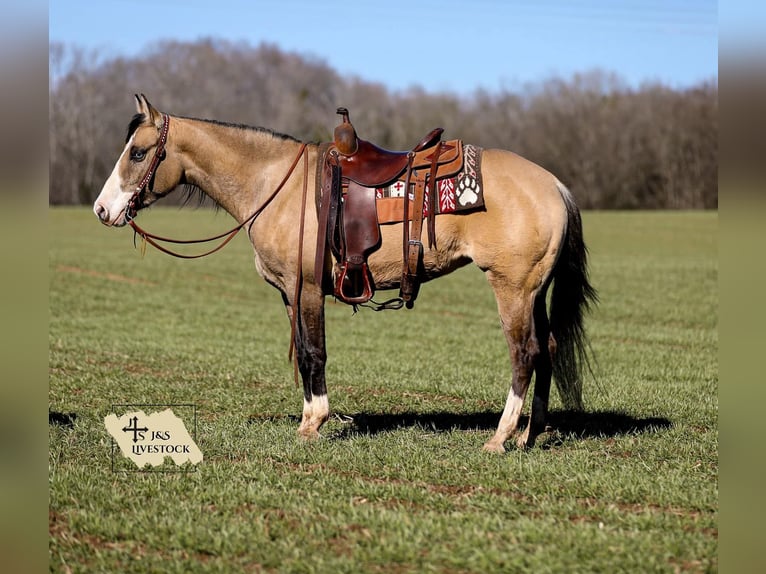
(311, 357)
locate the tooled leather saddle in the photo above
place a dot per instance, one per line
(349, 171)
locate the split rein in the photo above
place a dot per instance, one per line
(156, 240)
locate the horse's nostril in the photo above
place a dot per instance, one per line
(101, 212)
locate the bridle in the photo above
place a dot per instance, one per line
(159, 154)
(132, 209)
(154, 240)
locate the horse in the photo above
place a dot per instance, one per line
(528, 238)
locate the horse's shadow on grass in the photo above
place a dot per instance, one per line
(64, 420)
(563, 424)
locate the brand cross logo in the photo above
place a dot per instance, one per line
(148, 439)
(135, 429)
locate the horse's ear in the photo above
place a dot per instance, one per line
(147, 109)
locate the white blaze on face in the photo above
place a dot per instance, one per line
(113, 200)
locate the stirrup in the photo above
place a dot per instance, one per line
(367, 290)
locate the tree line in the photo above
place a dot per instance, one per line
(614, 146)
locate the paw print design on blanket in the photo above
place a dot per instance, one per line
(467, 190)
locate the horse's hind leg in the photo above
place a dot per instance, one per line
(543, 371)
(516, 317)
(311, 355)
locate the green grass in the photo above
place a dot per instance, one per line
(399, 482)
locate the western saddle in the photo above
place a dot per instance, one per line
(349, 172)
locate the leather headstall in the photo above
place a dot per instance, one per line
(159, 155)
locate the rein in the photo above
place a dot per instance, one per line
(153, 239)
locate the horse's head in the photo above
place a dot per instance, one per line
(144, 172)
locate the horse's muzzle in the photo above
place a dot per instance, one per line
(101, 212)
(103, 216)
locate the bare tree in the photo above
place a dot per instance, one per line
(614, 146)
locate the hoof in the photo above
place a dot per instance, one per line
(490, 446)
(308, 435)
(524, 441)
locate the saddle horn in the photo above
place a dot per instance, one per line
(346, 141)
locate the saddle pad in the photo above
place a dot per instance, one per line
(460, 193)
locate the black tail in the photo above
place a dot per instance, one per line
(571, 298)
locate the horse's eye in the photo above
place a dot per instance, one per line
(137, 154)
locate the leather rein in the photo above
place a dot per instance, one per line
(152, 239)
(155, 240)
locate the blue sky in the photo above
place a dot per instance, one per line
(452, 45)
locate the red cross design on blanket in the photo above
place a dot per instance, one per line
(397, 190)
(456, 194)
(394, 190)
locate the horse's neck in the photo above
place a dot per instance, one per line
(236, 167)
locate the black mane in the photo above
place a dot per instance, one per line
(245, 127)
(139, 119)
(192, 193)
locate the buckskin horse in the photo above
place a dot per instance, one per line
(527, 238)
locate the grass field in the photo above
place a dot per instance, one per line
(399, 482)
